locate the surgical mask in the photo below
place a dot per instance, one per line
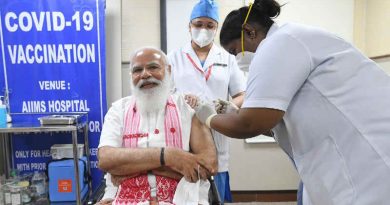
(244, 61)
(202, 37)
(188, 193)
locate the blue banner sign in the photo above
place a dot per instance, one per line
(52, 61)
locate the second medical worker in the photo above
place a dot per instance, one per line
(203, 69)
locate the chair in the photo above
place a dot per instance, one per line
(98, 194)
(214, 198)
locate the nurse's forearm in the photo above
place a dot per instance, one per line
(232, 125)
(248, 122)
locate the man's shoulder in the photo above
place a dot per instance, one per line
(180, 102)
(177, 97)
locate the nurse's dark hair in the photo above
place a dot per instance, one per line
(262, 13)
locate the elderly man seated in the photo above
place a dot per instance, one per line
(150, 140)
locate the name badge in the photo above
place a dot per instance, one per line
(220, 64)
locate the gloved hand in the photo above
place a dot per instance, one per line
(223, 106)
(205, 111)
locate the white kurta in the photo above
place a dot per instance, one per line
(113, 124)
(112, 131)
(225, 80)
(336, 112)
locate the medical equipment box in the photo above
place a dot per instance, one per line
(61, 151)
(62, 180)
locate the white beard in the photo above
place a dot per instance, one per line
(152, 100)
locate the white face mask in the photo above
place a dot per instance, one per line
(244, 61)
(188, 193)
(202, 37)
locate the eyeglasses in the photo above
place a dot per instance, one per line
(242, 28)
(150, 68)
(199, 25)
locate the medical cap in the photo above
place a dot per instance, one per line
(205, 8)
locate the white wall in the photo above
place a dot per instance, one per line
(384, 63)
(261, 166)
(372, 27)
(113, 50)
(177, 28)
(140, 27)
(333, 15)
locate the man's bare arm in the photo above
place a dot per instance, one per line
(125, 161)
(167, 172)
(202, 145)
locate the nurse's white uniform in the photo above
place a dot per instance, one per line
(220, 78)
(337, 115)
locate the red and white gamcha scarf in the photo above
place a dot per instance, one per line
(136, 191)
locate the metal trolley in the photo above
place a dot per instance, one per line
(40, 123)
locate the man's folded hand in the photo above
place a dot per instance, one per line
(105, 202)
(167, 172)
(117, 180)
(182, 162)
